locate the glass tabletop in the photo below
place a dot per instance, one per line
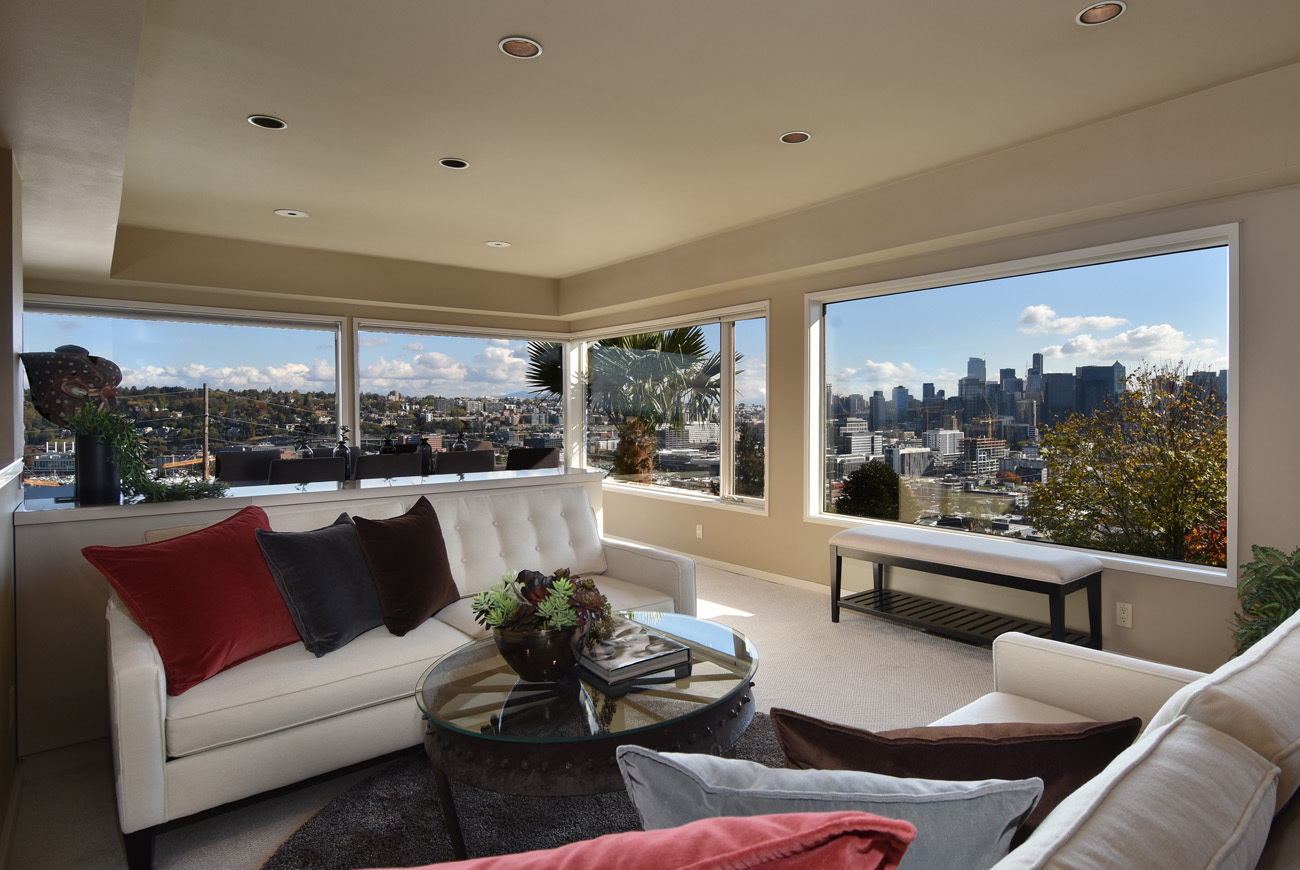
(473, 691)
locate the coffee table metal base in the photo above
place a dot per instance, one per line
(570, 767)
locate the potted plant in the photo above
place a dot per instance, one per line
(1269, 592)
(539, 620)
(112, 461)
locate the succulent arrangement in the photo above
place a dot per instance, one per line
(533, 601)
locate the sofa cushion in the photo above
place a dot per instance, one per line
(959, 825)
(323, 578)
(291, 687)
(1005, 707)
(1062, 755)
(1256, 699)
(801, 841)
(408, 561)
(207, 599)
(541, 529)
(1183, 796)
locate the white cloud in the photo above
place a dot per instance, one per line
(372, 340)
(751, 384)
(427, 368)
(499, 364)
(1041, 318)
(290, 376)
(1160, 342)
(414, 346)
(884, 375)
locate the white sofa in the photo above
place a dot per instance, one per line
(285, 716)
(1199, 788)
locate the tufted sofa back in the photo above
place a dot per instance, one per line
(542, 529)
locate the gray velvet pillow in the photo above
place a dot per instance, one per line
(325, 582)
(959, 825)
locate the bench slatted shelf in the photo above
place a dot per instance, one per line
(979, 558)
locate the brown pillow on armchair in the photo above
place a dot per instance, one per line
(1063, 755)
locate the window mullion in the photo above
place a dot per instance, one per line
(727, 411)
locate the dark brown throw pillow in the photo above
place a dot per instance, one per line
(408, 562)
(1063, 755)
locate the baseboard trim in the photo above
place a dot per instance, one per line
(770, 577)
(11, 818)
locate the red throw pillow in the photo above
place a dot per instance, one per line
(792, 841)
(207, 598)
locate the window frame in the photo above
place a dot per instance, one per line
(725, 318)
(1225, 235)
(406, 327)
(346, 407)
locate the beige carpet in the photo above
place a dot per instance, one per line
(862, 672)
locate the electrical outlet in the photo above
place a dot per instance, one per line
(1123, 614)
(699, 530)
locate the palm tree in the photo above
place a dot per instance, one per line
(640, 381)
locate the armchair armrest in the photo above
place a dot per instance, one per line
(137, 695)
(1097, 684)
(667, 572)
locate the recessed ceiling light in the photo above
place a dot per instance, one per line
(1100, 13)
(520, 47)
(497, 244)
(796, 137)
(454, 162)
(267, 122)
(292, 213)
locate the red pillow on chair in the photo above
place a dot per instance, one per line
(207, 599)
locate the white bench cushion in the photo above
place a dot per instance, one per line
(291, 687)
(977, 552)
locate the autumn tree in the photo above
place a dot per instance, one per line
(1145, 475)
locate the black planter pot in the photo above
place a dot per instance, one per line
(97, 480)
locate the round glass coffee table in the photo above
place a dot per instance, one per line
(493, 731)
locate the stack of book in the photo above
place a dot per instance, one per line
(632, 651)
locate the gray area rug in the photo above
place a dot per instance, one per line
(394, 818)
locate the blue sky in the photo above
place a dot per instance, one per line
(237, 357)
(1155, 310)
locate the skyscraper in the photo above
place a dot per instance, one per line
(975, 369)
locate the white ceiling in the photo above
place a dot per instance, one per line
(641, 126)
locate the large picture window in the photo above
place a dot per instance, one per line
(681, 408)
(1086, 405)
(191, 383)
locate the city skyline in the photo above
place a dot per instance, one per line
(1153, 310)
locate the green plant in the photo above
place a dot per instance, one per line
(533, 601)
(1269, 592)
(131, 457)
(870, 491)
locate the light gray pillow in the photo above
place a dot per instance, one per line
(959, 825)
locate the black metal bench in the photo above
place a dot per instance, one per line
(1047, 570)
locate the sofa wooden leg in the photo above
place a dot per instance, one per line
(139, 849)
